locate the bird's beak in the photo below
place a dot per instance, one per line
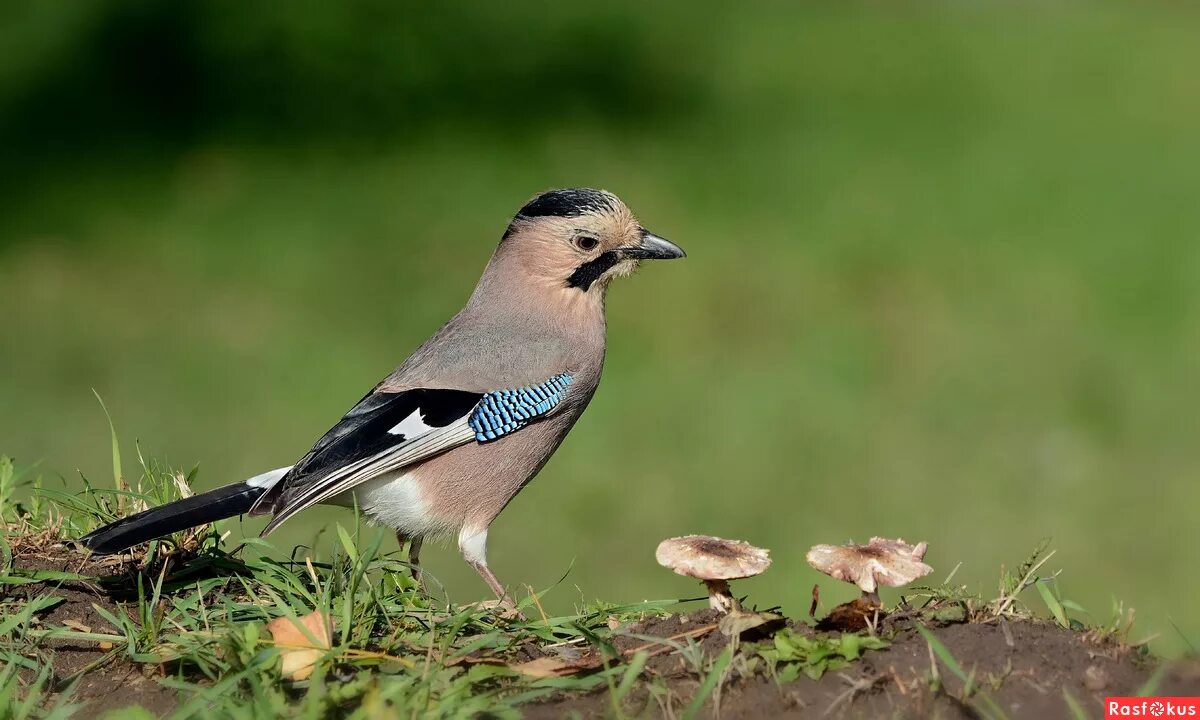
(654, 247)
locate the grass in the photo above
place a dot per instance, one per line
(193, 608)
(196, 612)
(940, 285)
(970, 694)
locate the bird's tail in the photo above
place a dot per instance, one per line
(223, 502)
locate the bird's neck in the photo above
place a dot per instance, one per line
(511, 293)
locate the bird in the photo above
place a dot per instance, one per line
(440, 446)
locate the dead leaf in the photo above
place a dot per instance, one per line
(185, 490)
(559, 665)
(301, 642)
(76, 625)
(736, 623)
(852, 616)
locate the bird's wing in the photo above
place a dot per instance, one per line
(386, 431)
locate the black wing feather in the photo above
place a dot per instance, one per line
(363, 432)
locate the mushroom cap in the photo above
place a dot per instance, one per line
(712, 558)
(879, 562)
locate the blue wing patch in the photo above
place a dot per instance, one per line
(503, 411)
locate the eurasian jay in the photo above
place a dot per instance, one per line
(441, 445)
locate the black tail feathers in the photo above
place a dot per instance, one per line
(224, 502)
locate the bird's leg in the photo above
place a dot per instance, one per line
(472, 543)
(414, 556)
(494, 583)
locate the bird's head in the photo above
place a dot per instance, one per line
(579, 239)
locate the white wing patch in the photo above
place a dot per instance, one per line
(409, 451)
(411, 426)
(268, 478)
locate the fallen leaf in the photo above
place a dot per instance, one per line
(76, 625)
(852, 616)
(106, 645)
(301, 642)
(738, 622)
(559, 665)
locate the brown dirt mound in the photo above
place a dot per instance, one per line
(1025, 667)
(104, 682)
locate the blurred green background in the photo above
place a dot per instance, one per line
(942, 278)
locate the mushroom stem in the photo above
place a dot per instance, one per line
(719, 595)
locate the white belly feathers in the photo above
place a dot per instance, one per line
(394, 499)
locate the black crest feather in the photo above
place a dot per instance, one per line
(571, 202)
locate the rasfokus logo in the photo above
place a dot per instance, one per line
(1151, 707)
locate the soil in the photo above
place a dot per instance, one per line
(1026, 666)
(104, 683)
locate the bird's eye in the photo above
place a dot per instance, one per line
(586, 242)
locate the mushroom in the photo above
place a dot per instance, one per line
(715, 561)
(879, 562)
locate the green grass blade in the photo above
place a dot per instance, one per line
(990, 708)
(11, 621)
(710, 683)
(347, 543)
(65, 634)
(1055, 607)
(1150, 687)
(44, 576)
(1077, 711)
(33, 696)
(632, 673)
(944, 655)
(116, 447)
(1182, 635)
